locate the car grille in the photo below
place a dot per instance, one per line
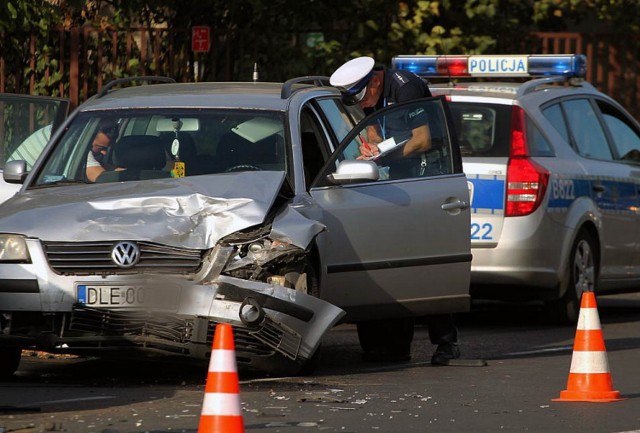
(88, 258)
(164, 331)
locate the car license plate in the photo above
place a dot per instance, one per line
(115, 296)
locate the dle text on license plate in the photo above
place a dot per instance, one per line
(121, 296)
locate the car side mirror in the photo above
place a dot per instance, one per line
(15, 171)
(354, 171)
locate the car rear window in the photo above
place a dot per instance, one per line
(483, 129)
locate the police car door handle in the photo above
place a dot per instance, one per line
(599, 188)
(453, 205)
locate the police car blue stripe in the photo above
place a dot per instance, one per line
(488, 193)
(615, 196)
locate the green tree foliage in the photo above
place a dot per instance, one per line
(288, 38)
(617, 16)
(20, 21)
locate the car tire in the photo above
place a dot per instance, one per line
(9, 361)
(581, 276)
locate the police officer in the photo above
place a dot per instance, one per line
(374, 88)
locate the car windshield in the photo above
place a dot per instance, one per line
(124, 145)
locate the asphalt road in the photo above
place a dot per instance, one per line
(527, 365)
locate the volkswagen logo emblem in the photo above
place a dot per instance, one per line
(125, 254)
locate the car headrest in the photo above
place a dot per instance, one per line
(144, 152)
(187, 149)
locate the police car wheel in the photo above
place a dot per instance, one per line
(582, 277)
(9, 361)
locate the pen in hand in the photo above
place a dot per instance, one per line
(368, 147)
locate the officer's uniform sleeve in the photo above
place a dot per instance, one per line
(414, 89)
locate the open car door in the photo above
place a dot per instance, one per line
(397, 226)
(26, 125)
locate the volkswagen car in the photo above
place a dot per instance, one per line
(553, 167)
(240, 203)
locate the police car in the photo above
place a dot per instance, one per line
(553, 167)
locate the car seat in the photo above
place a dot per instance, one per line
(141, 156)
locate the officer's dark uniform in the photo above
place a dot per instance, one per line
(403, 86)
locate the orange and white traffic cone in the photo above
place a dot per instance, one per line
(589, 376)
(221, 411)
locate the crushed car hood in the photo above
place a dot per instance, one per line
(194, 212)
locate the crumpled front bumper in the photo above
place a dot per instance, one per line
(268, 319)
(291, 322)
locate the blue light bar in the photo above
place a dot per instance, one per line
(570, 65)
(420, 65)
(535, 65)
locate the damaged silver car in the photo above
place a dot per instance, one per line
(157, 211)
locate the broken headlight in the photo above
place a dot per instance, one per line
(260, 252)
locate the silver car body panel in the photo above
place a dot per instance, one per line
(371, 261)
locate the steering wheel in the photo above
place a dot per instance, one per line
(242, 167)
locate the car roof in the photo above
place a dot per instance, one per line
(234, 95)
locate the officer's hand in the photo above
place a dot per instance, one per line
(368, 151)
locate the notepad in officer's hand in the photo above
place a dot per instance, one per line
(387, 146)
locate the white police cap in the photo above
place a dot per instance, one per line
(352, 78)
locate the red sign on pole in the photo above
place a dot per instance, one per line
(200, 39)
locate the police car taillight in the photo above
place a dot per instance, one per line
(526, 180)
(568, 65)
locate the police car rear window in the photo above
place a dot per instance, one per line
(483, 129)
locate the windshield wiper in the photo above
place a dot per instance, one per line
(59, 182)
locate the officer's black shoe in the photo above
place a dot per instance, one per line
(386, 356)
(444, 353)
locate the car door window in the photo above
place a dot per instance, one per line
(554, 115)
(625, 136)
(586, 129)
(538, 143)
(392, 128)
(312, 142)
(339, 119)
(27, 124)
